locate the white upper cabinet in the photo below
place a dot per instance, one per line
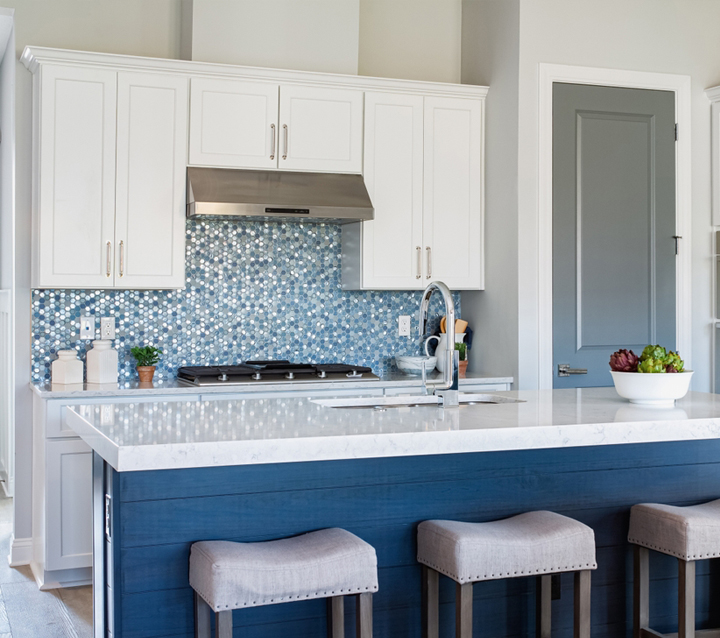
(393, 171)
(453, 192)
(110, 202)
(233, 123)
(75, 143)
(152, 127)
(424, 172)
(320, 129)
(239, 124)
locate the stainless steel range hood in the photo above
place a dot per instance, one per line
(277, 195)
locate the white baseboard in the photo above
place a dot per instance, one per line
(60, 578)
(21, 551)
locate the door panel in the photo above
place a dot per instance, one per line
(320, 129)
(393, 171)
(233, 123)
(452, 214)
(77, 177)
(613, 226)
(150, 212)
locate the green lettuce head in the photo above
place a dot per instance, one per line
(653, 352)
(652, 365)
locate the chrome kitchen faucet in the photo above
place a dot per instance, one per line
(447, 387)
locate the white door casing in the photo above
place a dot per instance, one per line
(453, 192)
(75, 224)
(233, 123)
(152, 128)
(393, 171)
(681, 86)
(320, 129)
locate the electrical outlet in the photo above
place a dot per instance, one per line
(107, 328)
(87, 327)
(404, 326)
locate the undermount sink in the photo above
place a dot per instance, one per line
(416, 401)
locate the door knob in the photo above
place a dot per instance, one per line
(564, 370)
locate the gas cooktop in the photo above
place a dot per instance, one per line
(273, 372)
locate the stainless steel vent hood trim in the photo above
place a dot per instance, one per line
(279, 195)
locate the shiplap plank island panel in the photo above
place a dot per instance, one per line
(156, 514)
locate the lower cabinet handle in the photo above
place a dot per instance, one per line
(419, 262)
(108, 260)
(285, 140)
(429, 262)
(272, 144)
(122, 258)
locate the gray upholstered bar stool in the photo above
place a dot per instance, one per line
(330, 563)
(532, 544)
(687, 533)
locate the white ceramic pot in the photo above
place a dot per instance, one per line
(652, 389)
(67, 368)
(102, 362)
(413, 365)
(442, 346)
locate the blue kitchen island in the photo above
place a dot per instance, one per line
(169, 474)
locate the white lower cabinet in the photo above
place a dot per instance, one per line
(69, 504)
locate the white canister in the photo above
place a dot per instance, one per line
(102, 362)
(67, 368)
(442, 346)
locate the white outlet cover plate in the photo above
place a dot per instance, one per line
(404, 326)
(107, 328)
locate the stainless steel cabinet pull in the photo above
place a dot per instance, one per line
(429, 262)
(419, 262)
(108, 260)
(564, 370)
(285, 141)
(272, 145)
(122, 258)
(108, 527)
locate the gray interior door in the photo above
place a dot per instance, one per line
(613, 226)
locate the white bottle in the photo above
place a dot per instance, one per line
(67, 368)
(102, 362)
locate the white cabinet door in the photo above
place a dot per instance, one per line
(393, 170)
(233, 123)
(69, 504)
(453, 205)
(76, 196)
(152, 118)
(320, 129)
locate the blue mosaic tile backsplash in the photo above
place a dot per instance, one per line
(255, 290)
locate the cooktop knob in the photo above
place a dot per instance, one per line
(223, 377)
(257, 376)
(290, 375)
(322, 374)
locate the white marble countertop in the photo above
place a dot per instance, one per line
(179, 434)
(174, 387)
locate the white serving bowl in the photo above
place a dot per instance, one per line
(413, 365)
(652, 389)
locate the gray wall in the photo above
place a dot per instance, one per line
(490, 57)
(669, 36)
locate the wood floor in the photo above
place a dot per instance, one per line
(26, 612)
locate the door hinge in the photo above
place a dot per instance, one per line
(676, 133)
(677, 239)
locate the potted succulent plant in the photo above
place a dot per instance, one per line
(462, 366)
(656, 378)
(146, 358)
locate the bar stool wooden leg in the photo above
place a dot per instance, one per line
(203, 618)
(463, 610)
(686, 599)
(336, 616)
(582, 604)
(543, 612)
(363, 616)
(430, 603)
(223, 624)
(641, 590)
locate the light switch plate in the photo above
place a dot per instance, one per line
(107, 328)
(87, 327)
(404, 326)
